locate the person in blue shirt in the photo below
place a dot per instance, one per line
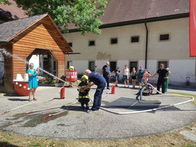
(106, 74)
(140, 74)
(97, 79)
(33, 81)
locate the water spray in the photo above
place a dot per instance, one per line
(8, 54)
(55, 77)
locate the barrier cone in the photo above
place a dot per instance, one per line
(113, 90)
(62, 93)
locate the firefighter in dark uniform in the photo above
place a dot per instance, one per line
(162, 77)
(100, 82)
(84, 92)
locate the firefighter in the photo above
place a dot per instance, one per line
(99, 80)
(84, 92)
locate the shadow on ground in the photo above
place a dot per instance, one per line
(133, 104)
(6, 144)
(72, 108)
(18, 99)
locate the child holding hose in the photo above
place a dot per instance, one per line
(84, 92)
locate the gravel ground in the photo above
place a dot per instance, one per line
(52, 117)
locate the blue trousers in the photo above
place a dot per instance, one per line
(98, 97)
(107, 78)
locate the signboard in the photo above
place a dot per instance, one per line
(192, 28)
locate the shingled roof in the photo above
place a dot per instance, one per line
(14, 11)
(119, 11)
(129, 10)
(9, 30)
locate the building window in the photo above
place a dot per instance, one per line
(162, 62)
(91, 65)
(164, 37)
(114, 40)
(91, 43)
(70, 44)
(113, 66)
(133, 64)
(135, 39)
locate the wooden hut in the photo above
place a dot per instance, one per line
(24, 37)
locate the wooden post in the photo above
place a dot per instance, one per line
(8, 71)
(60, 56)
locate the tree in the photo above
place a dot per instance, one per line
(84, 14)
(4, 2)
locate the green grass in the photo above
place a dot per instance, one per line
(171, 139)
(190, 145)
(35, 144)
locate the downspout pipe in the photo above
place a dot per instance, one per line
(146, 47)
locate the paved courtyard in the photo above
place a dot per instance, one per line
(50, 116)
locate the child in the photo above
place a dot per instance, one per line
(140, 74)
(145, 77)
(145, 89)
(84, 92)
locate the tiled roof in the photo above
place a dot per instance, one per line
(128, 10)
(10, 29)
(12, 11)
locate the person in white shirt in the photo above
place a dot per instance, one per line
(126, 74)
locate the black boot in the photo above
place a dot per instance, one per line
(87, 107)
(82, 105)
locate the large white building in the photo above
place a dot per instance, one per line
(139, 33)
(134, 33)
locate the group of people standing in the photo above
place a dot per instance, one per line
(139, 76)
(133, 76)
